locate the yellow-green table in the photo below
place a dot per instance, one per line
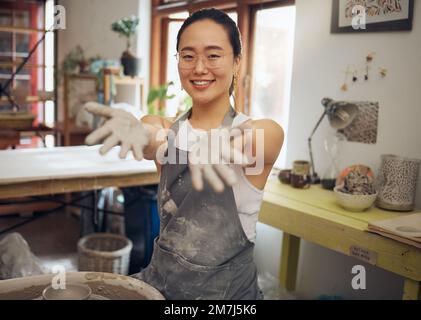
(313, 215)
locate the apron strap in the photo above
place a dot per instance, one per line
(227, 122)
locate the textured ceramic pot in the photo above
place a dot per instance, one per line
(398, 179)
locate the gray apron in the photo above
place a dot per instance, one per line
(202, 251)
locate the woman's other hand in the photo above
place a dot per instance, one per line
(211, 158)
(120, 128)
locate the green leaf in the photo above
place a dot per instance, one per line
(126, 27)
(152, 96)
(151, 109)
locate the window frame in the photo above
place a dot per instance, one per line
(37, 64)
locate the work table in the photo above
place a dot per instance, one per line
(313, 215)
(47, 171)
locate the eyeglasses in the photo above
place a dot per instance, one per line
(211, 60)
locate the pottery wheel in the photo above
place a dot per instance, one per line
(92, 297)
(104, 286)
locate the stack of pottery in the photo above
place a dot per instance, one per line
(398, 178)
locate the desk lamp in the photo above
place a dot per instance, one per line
(340, 115)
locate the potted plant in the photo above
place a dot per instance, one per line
(127, 27)
(160, 94)
(73, 59)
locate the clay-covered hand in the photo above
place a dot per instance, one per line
(121, 128)
(212, 161)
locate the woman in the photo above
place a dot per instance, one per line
(208, 211)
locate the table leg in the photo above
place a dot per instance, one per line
(289, 261)
(411, 290)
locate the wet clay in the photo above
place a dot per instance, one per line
(104, 286)
(99, 288)
(29, 293)
(114, 292)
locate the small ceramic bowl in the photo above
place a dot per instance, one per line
(354, 202)
(285, 176)
(72, 292)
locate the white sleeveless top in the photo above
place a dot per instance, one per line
(248, 198)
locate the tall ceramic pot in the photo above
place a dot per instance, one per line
(398, 179)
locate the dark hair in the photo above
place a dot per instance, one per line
(222, 19)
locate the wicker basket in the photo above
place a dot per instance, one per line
(16, 120)
(104, 252)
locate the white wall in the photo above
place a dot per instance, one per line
(320, 59)
(144, 41)
(88, 24)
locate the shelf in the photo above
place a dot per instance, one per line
(20, 29)
(11, 137)
(39, 128)
(30, 99)
(128, 80)
(16, 64)
(88, 76)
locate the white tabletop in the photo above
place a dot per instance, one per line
(66, 162)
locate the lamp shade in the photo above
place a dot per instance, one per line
(340, 113)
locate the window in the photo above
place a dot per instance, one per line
(22, 24)
(267, 27)
(174, 24)
(272, 66)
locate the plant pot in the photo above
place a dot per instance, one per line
(131, 66)
(83, 66)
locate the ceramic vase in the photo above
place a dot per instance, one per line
(397, 183)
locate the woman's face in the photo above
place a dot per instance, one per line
(204, 82)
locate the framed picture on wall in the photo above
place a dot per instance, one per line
(371, 15)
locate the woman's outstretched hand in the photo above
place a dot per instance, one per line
(120, 128)
(211, 161)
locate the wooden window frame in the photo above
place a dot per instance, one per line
(34, 32)
(246, 11)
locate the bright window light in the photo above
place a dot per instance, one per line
(49, 113)
(272, 65)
